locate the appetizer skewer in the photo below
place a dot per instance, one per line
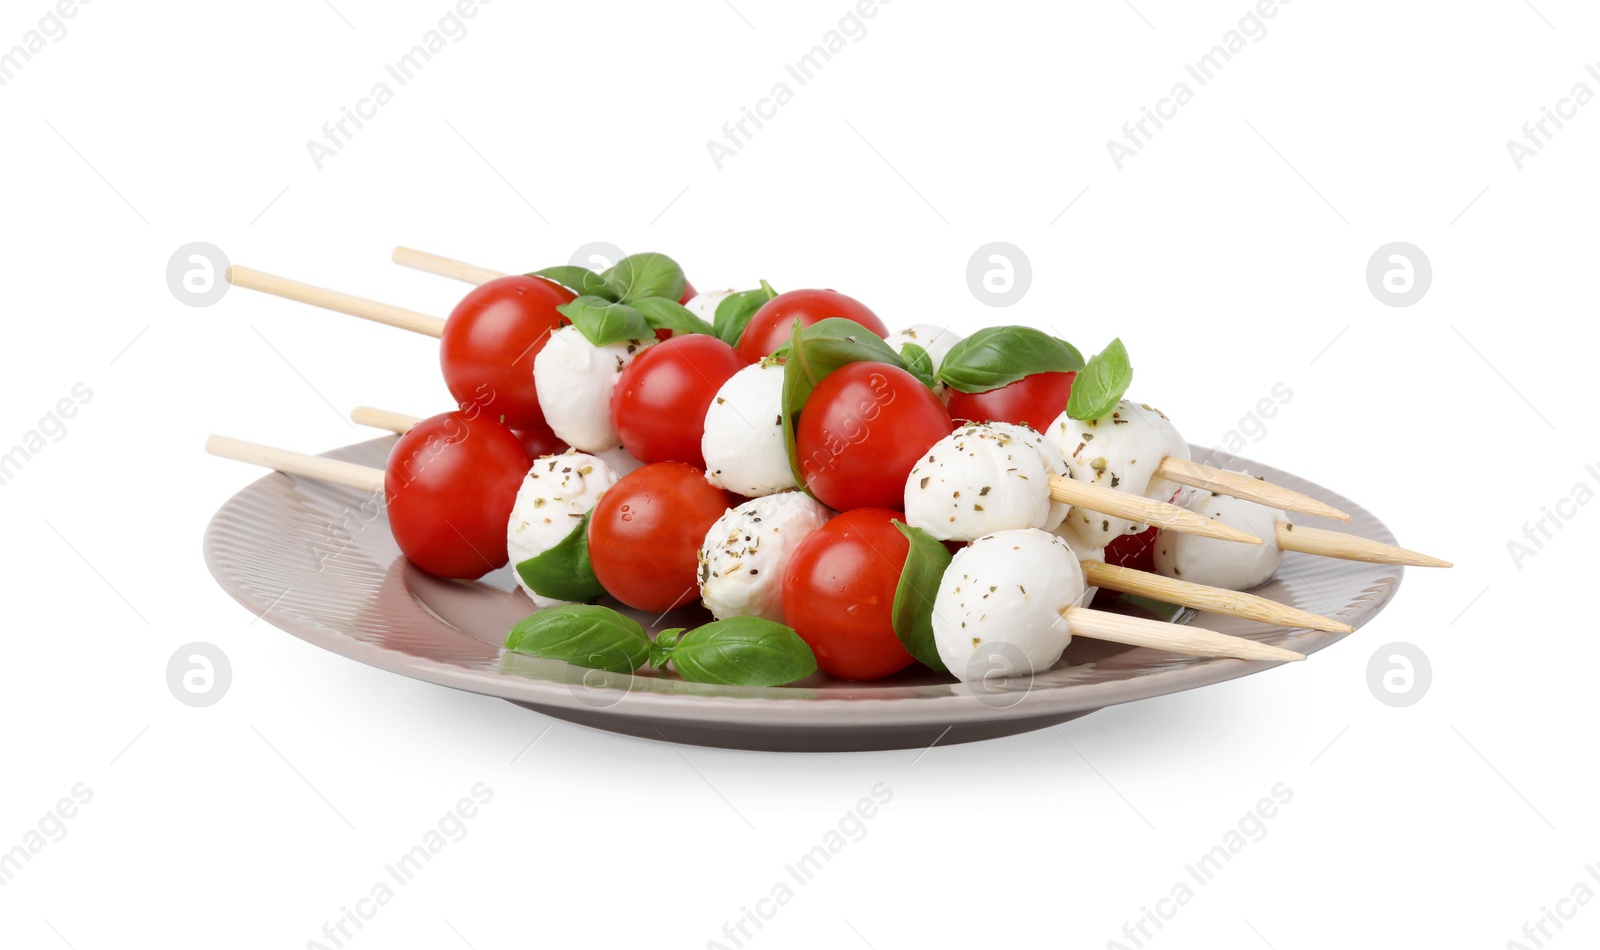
(1183, 639)
(734, 596)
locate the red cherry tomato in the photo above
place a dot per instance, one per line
(861, 433)
(646, 531)
(1034, 401)
(541, 441)
(451, 483)
(772, 324)
(491, 339)
(689, 293)
(659, 404)
(838, 593)
(1136, 551)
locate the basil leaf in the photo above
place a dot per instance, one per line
(919, 364)
(584, 635)
(999, 356)
(579, 280)
(743, 651)
(563, 572)
(1099, 387)
(810, 355)
(602, 321)
(664, 314)
(913, 596)
(734, 313)
(638, 276)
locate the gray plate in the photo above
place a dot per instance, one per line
(318, 561)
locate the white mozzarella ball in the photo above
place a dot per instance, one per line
(743, 441)
(975, 481)
(1000, 604)
(747, 551)
(556, 492)
(937, 341)
(704, 305)
(1223, 563)
(1054, 464)
(574, 379)
(1121, 451)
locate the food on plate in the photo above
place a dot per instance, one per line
(575, 379)
(743, 444)
(1007, 593)
(836, 498)
(984, 478)
(556, 494)
(747, 550)
(646, 531)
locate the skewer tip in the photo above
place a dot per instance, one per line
(227, 274)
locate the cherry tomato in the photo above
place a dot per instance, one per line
(838, 593)
(1137, 551)
(646, 531)
(772, 324)
(1034, 401)
(861, 433)
(451, 483)
(689, 293)
(659, 404)
(541, 441)
(491, 339)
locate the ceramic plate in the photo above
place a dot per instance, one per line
(318, 561)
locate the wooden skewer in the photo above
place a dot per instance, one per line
(333, 300)
(1215, 599)
(347, 474)
(397, 422)
(1171, 637)
(1348, 547)
(444, 266)
(1143, 510)
(1240, 485)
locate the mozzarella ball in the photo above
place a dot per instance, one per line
(1000, 604)
(574, 379)
(1054, 464)
(1121, 451)
(1223, 563)
(556, 492)
(937, 341)
(704, 305)
(978, 480)
(747, 550)
(743, 441)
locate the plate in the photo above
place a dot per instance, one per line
(318, 561)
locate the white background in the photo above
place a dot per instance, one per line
(1230, 255)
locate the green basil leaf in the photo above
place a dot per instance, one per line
(664, 314)
(734, 312)
(1100, 385)
(580, 280)
(584, 635)
(913, 596)
(563, 572)
(638, 276)
(743, 651)
(810, 355)
(999, 356)
(919, 364)
(602, 321)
